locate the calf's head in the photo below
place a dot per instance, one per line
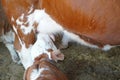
(43, 69)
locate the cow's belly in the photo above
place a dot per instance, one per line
(48, 25)
(96, 20)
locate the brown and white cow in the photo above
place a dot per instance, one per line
(95, 23)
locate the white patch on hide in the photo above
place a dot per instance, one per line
(31, 9)
(68, 37)
(36, 73)
(20, 18)
(24, 53)
(8, 37)
(12, 19)
(17, 35)
(42, 44)
(25, 56)
(45, 23)
(107, 47)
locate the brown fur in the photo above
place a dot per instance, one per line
(53, 73)
(16, 8)
(4, 24)
(97, 20)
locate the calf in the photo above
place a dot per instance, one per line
(43, 69)
(42, 53)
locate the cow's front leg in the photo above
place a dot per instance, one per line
(13, 53)
(8, 40)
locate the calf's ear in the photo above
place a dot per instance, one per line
(57, 55)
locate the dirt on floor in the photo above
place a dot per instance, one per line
(8, 69)
(81, 63)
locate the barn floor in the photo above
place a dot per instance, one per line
(81, 63)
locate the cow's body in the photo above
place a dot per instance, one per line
(97, 22)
